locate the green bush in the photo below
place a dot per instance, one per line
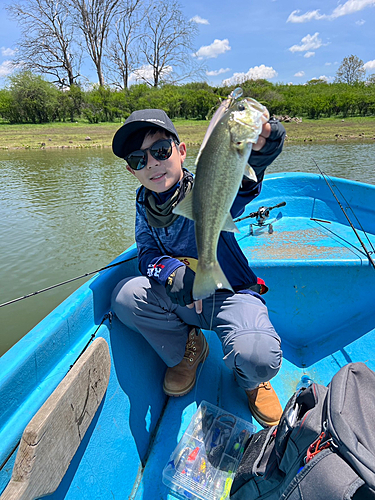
(32, 99)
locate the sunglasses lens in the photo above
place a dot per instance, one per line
(161, 150)
(137, 160)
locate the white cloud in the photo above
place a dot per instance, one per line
(6, 68)
(304, 18)
(216, 48)
(146, 72)
(308, 42)
(7, 52)
(324, 78)
(349, 7)
(370, 65)
(199, 20)
(255, 73)
(300, 74)
(361, 22)
(328, 64)
(217, 72)
(309, 54)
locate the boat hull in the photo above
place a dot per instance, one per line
(320, 301)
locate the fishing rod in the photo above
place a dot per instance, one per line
(66, 282)
(371, 260)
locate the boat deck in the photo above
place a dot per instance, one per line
(216, 385)
(302, 241)
(128, 419)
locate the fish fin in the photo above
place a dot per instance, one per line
(207, 280)
(229, 225)
(214, 120)
(250, 173)
(185, 207)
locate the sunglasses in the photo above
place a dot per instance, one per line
(160, 150)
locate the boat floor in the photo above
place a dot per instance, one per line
(219, 387)
(302, 240)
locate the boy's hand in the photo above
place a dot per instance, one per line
(179, 286)
(198, 306)
(266, 131)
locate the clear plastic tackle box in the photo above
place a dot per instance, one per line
(205, 460)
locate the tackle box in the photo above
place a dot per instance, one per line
(203, 464)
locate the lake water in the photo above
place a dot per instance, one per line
(67, 212)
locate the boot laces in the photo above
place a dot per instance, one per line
(191, 348)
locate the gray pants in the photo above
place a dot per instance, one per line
(251, 345)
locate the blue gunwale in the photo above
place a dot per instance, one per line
(137, 426)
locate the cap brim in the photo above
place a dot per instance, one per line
(123, 133)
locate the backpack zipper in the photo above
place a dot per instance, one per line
(323, 441)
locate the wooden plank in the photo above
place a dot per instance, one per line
(54, 434)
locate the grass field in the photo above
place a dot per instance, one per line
(85, 135)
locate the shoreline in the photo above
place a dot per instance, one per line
(82, 135)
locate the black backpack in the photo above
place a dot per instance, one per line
(323, 447)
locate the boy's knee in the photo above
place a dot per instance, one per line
(256, 356)
(127, 292)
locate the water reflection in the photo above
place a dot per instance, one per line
(67, 212)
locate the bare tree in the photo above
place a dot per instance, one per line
(167, 44)
(47, 42)
(123, 51)
(351, 70)
(94, 19)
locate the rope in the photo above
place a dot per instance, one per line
(109, 316)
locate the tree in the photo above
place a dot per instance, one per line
(123, 50)
(351, 71)
(33, 99)
(167, 44)
(93, 18)
(47, 43)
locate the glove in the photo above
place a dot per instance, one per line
(179, 286)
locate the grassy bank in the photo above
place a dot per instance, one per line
(85, 135)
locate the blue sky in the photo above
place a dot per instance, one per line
(283, 41)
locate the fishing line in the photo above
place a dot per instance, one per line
(346, 215)
(207, 340)
(66, 282)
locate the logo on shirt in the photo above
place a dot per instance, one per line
(154, 270)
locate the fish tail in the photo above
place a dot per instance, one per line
(208, 279)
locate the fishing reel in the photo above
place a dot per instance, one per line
(261, 216)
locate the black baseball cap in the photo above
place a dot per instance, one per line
(143, 118)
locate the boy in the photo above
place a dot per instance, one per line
(159, 304)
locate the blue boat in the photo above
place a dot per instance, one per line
(319, 269)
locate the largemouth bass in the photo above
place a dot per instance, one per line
(220, 166)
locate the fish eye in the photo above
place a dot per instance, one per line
(241, 107)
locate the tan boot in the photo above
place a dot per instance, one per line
(265, 405)
(180, 379)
